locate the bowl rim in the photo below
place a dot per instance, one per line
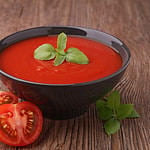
(122, 68)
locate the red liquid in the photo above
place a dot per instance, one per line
(17, 60)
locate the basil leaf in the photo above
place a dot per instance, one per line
(112, 126)
(74, 55)
(100, 104)
(61, 41)
(59, 59)
(113, 100)
(133, 114)
(124, 110)
(103, 111)
(44, 52)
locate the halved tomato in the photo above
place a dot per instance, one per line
(7, 98)
(20, 124)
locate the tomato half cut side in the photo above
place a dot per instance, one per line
(20, 124)
(7, 98)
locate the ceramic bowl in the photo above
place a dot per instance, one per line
(64, 101)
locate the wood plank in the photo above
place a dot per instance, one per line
(129, 21)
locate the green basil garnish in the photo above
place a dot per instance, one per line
(48, 52)
(61, 41)
(45, 52)
(74, 55)
(59, 59)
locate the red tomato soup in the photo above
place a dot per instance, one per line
(18, 60)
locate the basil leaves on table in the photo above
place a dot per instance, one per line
(112, 112)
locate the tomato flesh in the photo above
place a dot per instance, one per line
(7, 98)
(20, 124)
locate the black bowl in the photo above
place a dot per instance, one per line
(64, 101)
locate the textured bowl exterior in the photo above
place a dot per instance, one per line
(64, 101)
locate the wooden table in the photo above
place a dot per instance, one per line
(129, 20)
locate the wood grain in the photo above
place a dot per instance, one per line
(128, 20)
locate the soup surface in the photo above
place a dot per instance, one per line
(17, 60)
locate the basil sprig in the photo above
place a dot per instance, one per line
(48, 52)
(112, 112)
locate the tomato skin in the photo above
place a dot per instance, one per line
(7, 98)
(20, 124)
